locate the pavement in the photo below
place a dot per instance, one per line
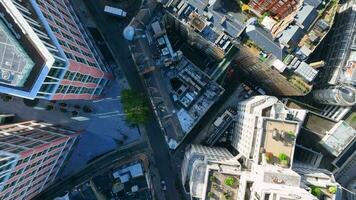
(100, 165)
(111, 29)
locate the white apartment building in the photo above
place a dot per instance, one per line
(208, 179)
(264, 124)
(195, 162)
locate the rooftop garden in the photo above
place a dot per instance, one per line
(299, 83)
(222, 186)
(326, 14)
(321, 193)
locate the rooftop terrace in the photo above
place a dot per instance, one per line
(279, 141)
(222, 186)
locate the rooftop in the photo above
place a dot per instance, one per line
(211, 19)
(265, 41)
(193, 93)
(16, 64)
(279, 139)
(318, 124)
(338, 138)
(222, 186)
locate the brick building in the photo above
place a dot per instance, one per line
(31, 155)
(47, 54)
(276, 8)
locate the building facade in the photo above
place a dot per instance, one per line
(262, 125)
(340, 95)
(260, 182)
(276, 8)
(47, 54)
(195, 161)
(31, 155)
(341, 55)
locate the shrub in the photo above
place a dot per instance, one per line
(282, 156)
(63, 104)
(212, 178)
(332, 189)
(210, 194)
(227, 196)
(87, 109)
(74, 113)
(284, 162)
(229, 181)
(269, 156)
(49, 107)
(316, 191)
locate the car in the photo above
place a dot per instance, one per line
(163, 185)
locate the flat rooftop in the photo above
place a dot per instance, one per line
(16, 64)
(25, 60)
(222, 186)
(194, 92)
(279, 138)
(339, 137)
(317, 124)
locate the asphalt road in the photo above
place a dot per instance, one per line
(60, 187)
(111, 29)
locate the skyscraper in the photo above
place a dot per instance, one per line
(46, 53)
(340, 95)
(31, 155)
(211, 173)
(266, 128)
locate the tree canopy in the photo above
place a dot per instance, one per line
(136, 107)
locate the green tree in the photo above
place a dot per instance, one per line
(136, 107)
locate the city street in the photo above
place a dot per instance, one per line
(60, 187)
(111, 29)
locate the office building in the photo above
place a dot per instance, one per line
(31, 155)
(265, 128)
(276, 8)
(341, 54)
(47, 54)
(195, 161)
(223, 178)
(325, 181)
(340, 95)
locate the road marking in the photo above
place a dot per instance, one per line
(107, 113)
(103, 117)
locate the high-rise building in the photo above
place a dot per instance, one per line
(31, 155)
(195, 162)
(215, 174)
(266, 128)
(340, 95)
(276, 8)
(47, 54)
(341, 50)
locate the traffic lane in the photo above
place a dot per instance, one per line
(163, 159)
(119, 46)
(111, 28)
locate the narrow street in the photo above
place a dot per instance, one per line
(111, 29)
(60, 187)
